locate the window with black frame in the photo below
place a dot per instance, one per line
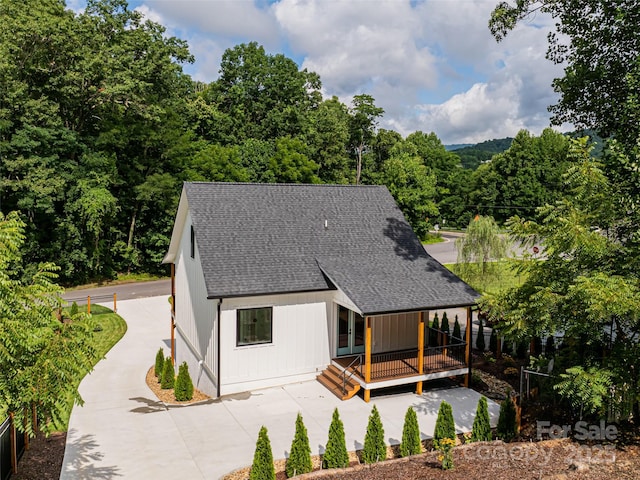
(254, 326)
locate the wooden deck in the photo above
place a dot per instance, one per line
(404, 364)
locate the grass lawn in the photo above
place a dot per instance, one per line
(502, 278)
(110, 328)
(432, 238)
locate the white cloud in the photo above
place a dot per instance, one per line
(229, 19)
(432, 65)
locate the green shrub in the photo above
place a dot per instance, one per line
(74, 310)
(375, 450)
(262, 467)
(433, 333)
(480, 345)
(299, 460)
(507, 348)
(444, 326)
(168, 375)
(410, 444)
(481, 431)
(445, 427)
(507, 428)
(159, 364)
(183, 390)
(493, 341)
(335, 454)
(456, 329)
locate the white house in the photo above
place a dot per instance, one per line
(278, 283)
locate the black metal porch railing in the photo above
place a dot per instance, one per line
(394, 364)
(444, 357)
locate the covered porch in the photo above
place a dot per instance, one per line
(371, 369)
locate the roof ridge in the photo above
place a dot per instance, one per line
(333, 185)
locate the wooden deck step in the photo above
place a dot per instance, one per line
(331, 378)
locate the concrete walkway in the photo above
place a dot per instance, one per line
(122, 431)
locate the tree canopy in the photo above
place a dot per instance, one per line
(39, 354)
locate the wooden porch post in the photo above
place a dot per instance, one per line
(467, 351)
(173, 313)
(420, 350)
(367, 358)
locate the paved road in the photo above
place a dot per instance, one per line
(125, 291)
(445, 252)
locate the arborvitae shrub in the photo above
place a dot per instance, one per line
(444, 325)
(159, 364)
(507, 423)
(74, 310)
(550, 347)
(262, 467)
(335, 454)
(299, 460)
(375, 450)
(493, 341)
(456, 329)
(433, 333)
(481, 431)
(168, 375)
(411, 444)
(445, 427)
(480, 345)
(183, 390)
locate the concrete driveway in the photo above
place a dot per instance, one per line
(122, 431)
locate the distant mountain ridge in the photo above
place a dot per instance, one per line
(457, 146)
(471, 156)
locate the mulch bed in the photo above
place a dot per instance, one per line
(166, 396)
(44, 458)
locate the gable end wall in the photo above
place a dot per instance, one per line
(196, 317)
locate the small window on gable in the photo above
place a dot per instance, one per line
(193, 243)
(253, 326)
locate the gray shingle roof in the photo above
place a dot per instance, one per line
(256, 239)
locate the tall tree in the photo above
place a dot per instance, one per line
(479, 248)
(89, 112)
(328, 140)
(588, 286)
(413, 187)
(39, 354)
(364, 121)
(525, 176)
(265, 96)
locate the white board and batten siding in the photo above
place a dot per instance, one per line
(299, 349)
(195, 317)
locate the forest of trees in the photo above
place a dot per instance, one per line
(99, 127)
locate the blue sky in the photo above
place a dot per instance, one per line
(431, 64)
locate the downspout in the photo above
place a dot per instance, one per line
(173, 313)
(218, 350)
